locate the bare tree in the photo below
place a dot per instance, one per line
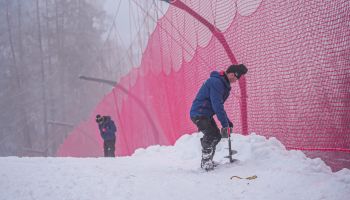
(43, 81)
(44, 47)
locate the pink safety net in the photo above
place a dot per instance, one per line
(297, 88)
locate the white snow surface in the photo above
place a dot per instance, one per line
(174, 173)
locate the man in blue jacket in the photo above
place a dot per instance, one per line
(209, 102)
(107, 130)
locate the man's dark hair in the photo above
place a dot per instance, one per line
(238, 70)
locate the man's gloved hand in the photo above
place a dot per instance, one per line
(225, 132)
(230, 125)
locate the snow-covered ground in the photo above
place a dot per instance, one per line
(173, 172)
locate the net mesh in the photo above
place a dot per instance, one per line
(297, 88)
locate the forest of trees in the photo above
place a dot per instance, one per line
(44, 46)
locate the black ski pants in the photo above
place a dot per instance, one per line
(210, 130)
(109, 148)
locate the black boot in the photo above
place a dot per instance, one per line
(207, 159)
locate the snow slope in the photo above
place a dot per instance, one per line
(173, 172)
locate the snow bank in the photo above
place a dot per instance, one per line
(173, 172)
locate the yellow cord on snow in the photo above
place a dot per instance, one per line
(248, 178)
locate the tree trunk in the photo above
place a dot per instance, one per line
(27, 142)
(13, 54)
(21, 135)
(43, 82)
(48, 35)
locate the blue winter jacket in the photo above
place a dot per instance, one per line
(107, 129)
(211, 97)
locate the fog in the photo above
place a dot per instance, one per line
(45, 45)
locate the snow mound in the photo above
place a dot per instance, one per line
(173, 172)
(252, 149)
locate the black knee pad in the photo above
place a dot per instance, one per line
(206, 143)
(216, 141)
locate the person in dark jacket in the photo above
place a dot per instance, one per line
(209, 102)
(107, 130)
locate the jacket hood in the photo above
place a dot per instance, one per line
(221, 75)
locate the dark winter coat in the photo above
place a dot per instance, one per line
(211, 97)
(107, 128)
